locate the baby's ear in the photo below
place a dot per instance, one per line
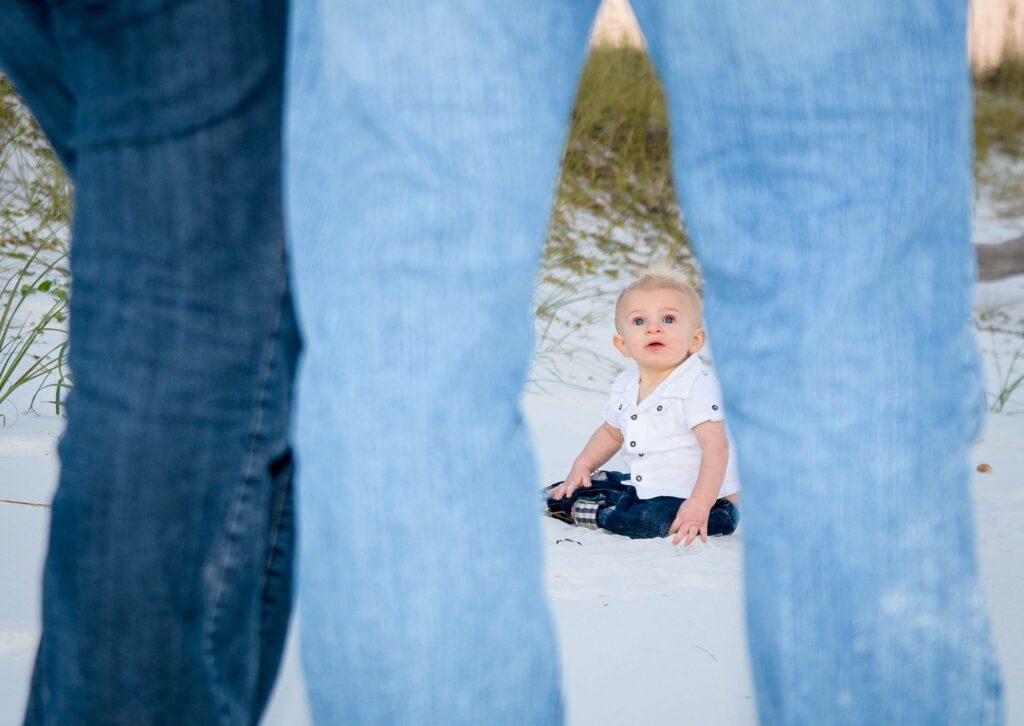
(620, 344)
(698, 340)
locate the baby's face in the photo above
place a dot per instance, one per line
(658, 328)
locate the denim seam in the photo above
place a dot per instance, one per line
(248, 479)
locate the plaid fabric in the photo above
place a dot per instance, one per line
(584, 512)
(606, 487)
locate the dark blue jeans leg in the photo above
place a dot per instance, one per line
(723, 518)
(30, 58)
(167, 584)
(639, 518)
(645, 518)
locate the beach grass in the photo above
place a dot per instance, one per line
(35, 214)
(616, 167)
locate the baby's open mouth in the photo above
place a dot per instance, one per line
(655, 344)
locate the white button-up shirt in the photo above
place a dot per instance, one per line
(659, 446)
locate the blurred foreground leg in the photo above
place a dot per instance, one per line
(422, 150)
(823, 156)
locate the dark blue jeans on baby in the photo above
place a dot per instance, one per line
(623, 512)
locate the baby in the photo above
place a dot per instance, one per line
(666, 417)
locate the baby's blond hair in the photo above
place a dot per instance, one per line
(658, 276)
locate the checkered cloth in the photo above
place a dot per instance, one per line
(584, 512)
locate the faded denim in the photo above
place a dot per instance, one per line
(422, 146)
(822, 152)
(167, 583)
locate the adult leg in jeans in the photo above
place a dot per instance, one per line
(167, 581)
(823, 156)
(422, 147)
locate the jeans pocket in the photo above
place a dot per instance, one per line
(144, 70)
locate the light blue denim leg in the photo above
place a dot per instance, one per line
(823, 153)
(422, 149)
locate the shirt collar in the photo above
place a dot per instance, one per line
(677, 385)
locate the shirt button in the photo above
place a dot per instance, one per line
(714, 407)
(633, 417)
(620, 406)
(639, 478)
(659, 408)
(641, 454)
(632, 443)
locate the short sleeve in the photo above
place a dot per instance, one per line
(613, 409)
(705, 401)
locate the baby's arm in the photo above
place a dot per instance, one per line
(692, 518)
(601, 447)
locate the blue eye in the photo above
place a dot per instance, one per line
(639, 321)
(669, 319)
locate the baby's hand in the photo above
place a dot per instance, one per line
(579, 476)
(690, 521)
